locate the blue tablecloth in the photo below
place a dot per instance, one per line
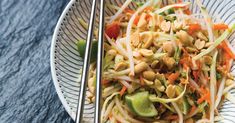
(27, 93)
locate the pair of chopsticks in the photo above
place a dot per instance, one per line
(85, 71)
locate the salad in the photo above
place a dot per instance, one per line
(163, 63)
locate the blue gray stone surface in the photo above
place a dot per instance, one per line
(27, 93)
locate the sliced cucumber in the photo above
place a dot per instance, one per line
(140, 104)
(81, 47)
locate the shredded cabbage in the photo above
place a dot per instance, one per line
(105, 103)
(207, 20)
(128, 35)
(203, 121)
(220, 92)
(216, 43)
(153, 98)
(120, 11)
(124, 113)
(180, 114)
(213, 87)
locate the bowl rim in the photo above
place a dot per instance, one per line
(52, 60)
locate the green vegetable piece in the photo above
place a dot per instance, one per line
(140, 104)
(81, 47)
(167, 12)
(218, 76)
(170, 11)
(169, 18)
(185, 104)
(177, 55)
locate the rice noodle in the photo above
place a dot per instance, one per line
(110, 90)
(203, 121)
(128, 36)
(105, 103)
(180, 114)
(192, 82)
(163, 100)
(220, 92)
(184, 16)
(108, 110)
(120, 50)
(118, 117)
(172, 35)
(126, 78)
(123, 72)
(213, 87)
(119, 46)
(125, 83)
(124, 113)
(207, 20)
(202, 79)
(120, 11)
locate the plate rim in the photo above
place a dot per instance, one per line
(52, 59)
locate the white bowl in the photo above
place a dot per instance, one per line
(66, 62)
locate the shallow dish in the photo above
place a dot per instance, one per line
(66, 62)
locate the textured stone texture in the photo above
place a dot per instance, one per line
(27, 93)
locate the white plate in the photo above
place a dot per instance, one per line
(66, 61)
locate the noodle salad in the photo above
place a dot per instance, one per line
(163, 63)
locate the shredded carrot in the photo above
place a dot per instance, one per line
(205, 97)
(185, 66)
(226, 48)
(148, 17)
(185, 52)
(171, 117)
(104, 82)
(110, 116)
(124, 88)
(192, 110)
(148, 9)
(193, 28)
(137, 18)
(179, 1)
(187, 11)
(226, 60)
(196, 75)
(167, 75)
(220, 26)
(141, 81)
(173, 77)
(199, 65)
(185, 60)
(129, 11)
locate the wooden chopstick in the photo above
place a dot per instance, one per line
(85, 70)
(99, 64)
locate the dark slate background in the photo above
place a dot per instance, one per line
(27, 93)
